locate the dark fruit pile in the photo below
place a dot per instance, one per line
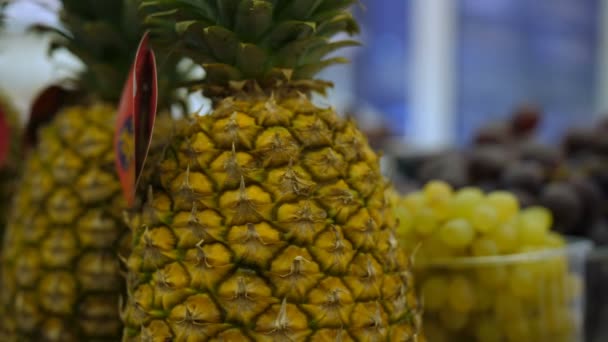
(571, 178)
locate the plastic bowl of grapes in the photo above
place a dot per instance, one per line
(532, 296)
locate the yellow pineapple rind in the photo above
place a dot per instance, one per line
(60, 271)
(238, 239)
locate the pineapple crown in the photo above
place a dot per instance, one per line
(105, 35)
(266, 41)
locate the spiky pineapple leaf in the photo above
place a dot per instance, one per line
(222, 43)
(307, 71)
(251, 59)
(289, 55)
(335, 5)
(343, 22)
(288, 31)
(253, 37)
(219, 73)
(299, 10)
(188, 8)
(253, 18)
(320, 51)
(226, 10)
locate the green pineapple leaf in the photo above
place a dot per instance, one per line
(307, 71)
(299, 10)
(339, 23)
(251, 59)
(288, 31)
(253, 18)
(219, 73)
(320, 51)
(226, 11)
(222, 43)
(260, 40)
(289, 55)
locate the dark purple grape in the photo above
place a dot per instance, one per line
(591, 197)
(494, 133)
(528, 176)
(577, 141)
(486, 163)
(449, 167)
(597, 169)
(524, 198)
(567, 208)
(549, 157)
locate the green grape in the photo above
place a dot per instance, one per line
(405, 218)
(523, 281)
(425, 222)
(457, 233)
(461, 295)
(438, 195)
(437, 249)
(437, 189)
(435, 332)
(484, 246)
(561, 321)
(484, 298)
(554, 240)
(414, 202)
(533, 224)
(529, 248)
(554, 294)
(492, 276)
(463, 202)
(556, 267)
(505, 203)
(506, 237)
(434, 291)
(452, 320)
(518, 330)
(487, 330)
(484, 217)
(508, 308)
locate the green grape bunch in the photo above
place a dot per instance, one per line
(487, 268)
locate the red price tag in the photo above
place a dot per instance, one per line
(135, 122)
(5, 138)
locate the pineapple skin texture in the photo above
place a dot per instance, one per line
(60, 268)
(268, 220)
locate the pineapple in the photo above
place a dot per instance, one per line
(61, 276)
(9, 170)
(268, 219)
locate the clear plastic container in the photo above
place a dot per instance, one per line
(534, 296)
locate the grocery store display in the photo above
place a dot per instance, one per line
(267, 219)
(489, 270)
